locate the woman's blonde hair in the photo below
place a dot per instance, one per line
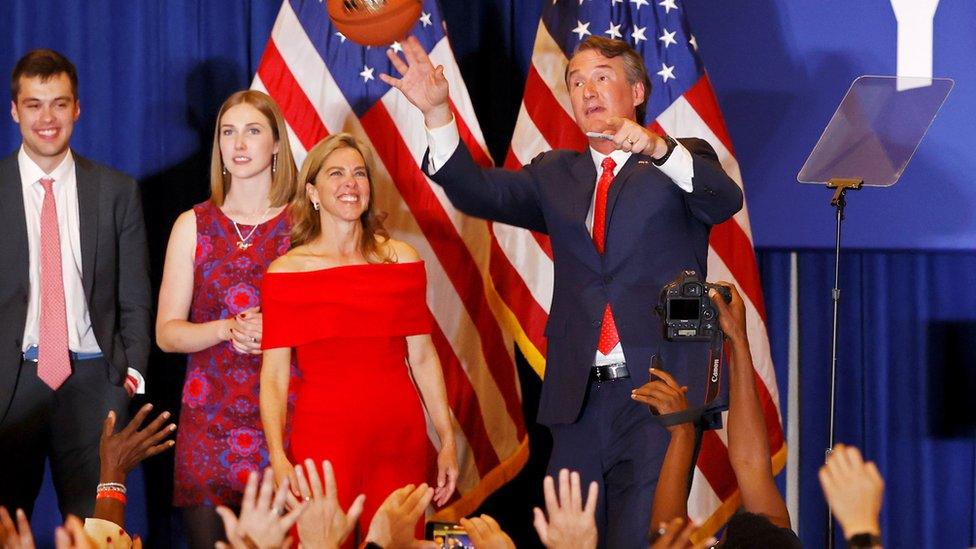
(283, 169)
(306, 224)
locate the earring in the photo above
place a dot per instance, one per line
(274, 163)
(315, 206)
(223, 170)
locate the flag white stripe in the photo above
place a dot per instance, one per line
(681, 119)
(550, 62)
(756, 329)
(702, 500)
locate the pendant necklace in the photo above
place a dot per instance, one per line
(244, 241)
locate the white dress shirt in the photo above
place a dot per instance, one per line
(679, 167)
(81, 337)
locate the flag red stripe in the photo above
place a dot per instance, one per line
(295, 106)
(449, 248)
(465, 404)
(508, 282)
(477, 153)
(713, 462)
(512, 163)
(512, 289)
(556, 127)
(702, 98)
(731, 243)
(774, 431)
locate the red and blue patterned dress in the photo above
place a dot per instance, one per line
(220, 440)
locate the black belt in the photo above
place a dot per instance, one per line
(609, 372)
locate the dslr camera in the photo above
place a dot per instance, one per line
(687, 311)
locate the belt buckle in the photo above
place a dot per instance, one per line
(609, 372)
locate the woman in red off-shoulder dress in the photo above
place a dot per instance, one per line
(351, 302)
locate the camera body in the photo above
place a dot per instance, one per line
(687, 311)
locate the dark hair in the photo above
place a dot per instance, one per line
(43, 63)
(633, 64)
(747, 530)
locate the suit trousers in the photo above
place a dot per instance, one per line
(63, 425)
(618, 444)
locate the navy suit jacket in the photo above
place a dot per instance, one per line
(654, 230)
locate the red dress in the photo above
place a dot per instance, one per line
(220, 439)
(357, 405)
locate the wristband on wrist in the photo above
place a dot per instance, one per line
(111, 494)
(864, 539)
(110, 487)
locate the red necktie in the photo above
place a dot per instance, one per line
(608, 330)
(53, 364)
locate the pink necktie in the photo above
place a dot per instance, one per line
(53, 363)
(608, 329)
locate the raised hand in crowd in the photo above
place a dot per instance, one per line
(485, 533)
(323, 525)
(18, 536)
(665, 396)
(393, 524)
(568, 521)
(676, 534)
(15, 535)
(854, 490)
(73, 535)
(748, 439)
(120, 452)
(261, 524)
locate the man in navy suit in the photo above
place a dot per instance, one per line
(624, 218)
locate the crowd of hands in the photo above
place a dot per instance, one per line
(852, 487)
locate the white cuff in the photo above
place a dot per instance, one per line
(680, 167)
(105, 533)
(442, 142)
(140, 381)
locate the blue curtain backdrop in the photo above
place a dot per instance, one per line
(153, 74)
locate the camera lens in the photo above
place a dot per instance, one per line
(692, 289)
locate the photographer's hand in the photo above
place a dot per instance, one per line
(731, 316)
(663, 396)
(747, 437)
(666, 397)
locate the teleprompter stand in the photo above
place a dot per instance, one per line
(869, 141)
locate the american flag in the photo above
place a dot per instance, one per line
(491, 284)
(682, 104)
(325, 83)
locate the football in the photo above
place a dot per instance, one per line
(374, 22)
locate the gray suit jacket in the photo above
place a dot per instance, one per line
(115, 268)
